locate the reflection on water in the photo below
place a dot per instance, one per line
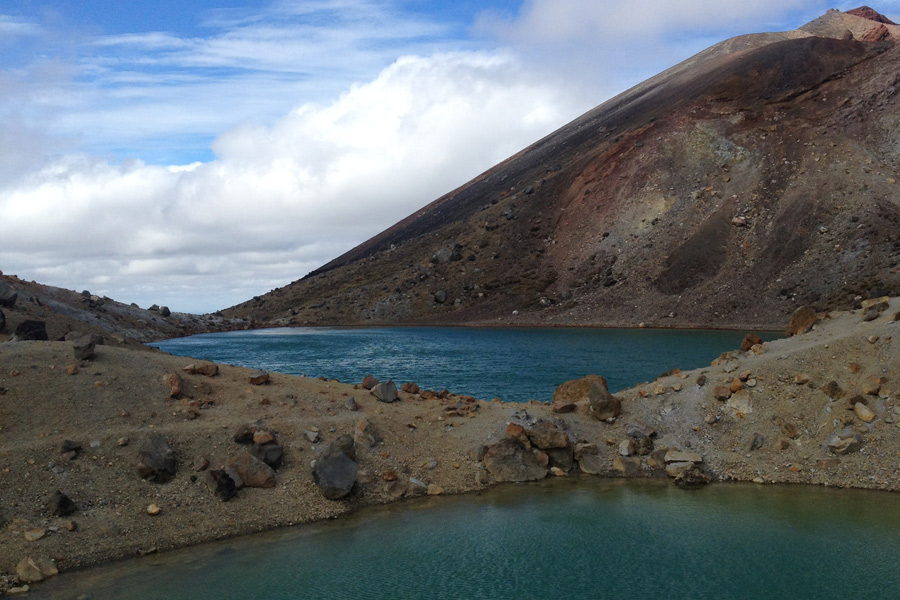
(586, 538)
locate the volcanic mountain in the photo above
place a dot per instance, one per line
(755, 177)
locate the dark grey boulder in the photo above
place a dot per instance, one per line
(84, 345)
(2, 321)
(220, 484)
(30, 331)
(8, 295)
(509, 460)
(157, 460)
(386, 392)
(335, 471)
(60, 505)
(272, 453)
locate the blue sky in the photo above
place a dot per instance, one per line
(197, 153)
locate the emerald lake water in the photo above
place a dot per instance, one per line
(514, 364)
(586, 538)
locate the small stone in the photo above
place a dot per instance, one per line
(174, 382)
(863, 412)
(312, 436)
(749, 341)
(435, 490)
(736, 385)
(790, 430)
(122, 441)
(33, 535)
(871, 386)
(626, 465)
(201, 463)
(205, 369)
(153, 510)
(801, 379)
(557, 472)
(722, 393)
(824, 464)
(711, 419)
(29, 571)
(833, 390)
(626, 448)
(872, 339)
(72, 369)
(263, 437)
(673, 456)
(258, 377)
(410, 388)
(351, 404)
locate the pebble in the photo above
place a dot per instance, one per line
(33, 535)
(153, 510)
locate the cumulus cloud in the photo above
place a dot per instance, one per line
(278, 200)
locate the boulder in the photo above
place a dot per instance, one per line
(365, 434)
(244, 433)
(411, 388)
(28, 571)
(2, 321)
(833, 390)
(351, 404)
(864, 412)
(740, 403)
(561, 458)
(386, 392)
(60, 505)
(220, 484)
(592, 464)
(509, 460)
(370, 381)
(603, 405)
(750, 340)
(546, 435)
(626, 465)
(272, 453)
(567, 394)
(258, 377)
(871, 386)
(83, 345)
(205, 369)
(844, 443)
(157, 460)
(639, 430)
(8, 295)
(30, 331)
(692, 476)
(336, 470)
(252, 471)
(643, 446)
(802, 320)
(173, 381)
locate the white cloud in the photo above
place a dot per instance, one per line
(280, 200)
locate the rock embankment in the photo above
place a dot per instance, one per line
(114, 453)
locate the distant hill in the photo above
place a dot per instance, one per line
(757, 176)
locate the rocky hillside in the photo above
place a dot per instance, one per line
(755, 177)
(29, 310)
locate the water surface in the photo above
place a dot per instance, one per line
(514, 364)
(589, 538)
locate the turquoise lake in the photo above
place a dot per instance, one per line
(586, 538)
(515, 364)
(581, 537)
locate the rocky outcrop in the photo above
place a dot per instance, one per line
(510, 460)
(336, 469)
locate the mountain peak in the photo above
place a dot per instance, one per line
(871, 14)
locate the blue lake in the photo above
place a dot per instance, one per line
(586, 538)
(514, 364)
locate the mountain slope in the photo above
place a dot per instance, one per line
(758, 175)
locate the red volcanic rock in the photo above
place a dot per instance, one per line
(871, 14)
(876, 34)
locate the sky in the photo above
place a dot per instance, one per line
(196, 153)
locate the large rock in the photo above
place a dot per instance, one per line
(8, 295)
(60, 505)
(30, 331)
(844, 443)
(157, 460)
(692, 476)
(83, 345)
(386, 392)
(509, 460)
(750, 340)
(271, 453)
(220, 484)
(28, 571)
(626, 465)
(546, 435)
(603, 404)
(252, 471)
(801, 321)
(593, 464)
(567, 394)
(2, 321)
(561, 458)
(335, 471)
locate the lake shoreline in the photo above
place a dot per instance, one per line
(120, 396)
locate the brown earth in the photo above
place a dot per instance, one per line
(113, 403)
(757, 176)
